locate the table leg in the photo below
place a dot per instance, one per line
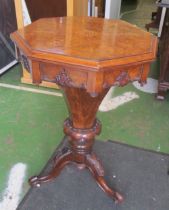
(161, 93)
(80, 128)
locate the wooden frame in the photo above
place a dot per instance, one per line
(74, 7)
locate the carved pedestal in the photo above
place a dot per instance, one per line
(80, 128)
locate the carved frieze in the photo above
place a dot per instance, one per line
(22, 58)
(122, 79)
(63, 79)
(25, 62)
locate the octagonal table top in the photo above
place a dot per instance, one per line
(88, 41)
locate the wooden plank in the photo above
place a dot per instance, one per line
(19, 15)
(70, 10)
(80, 8)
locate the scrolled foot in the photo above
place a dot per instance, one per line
(116, 196)
(161, 95)
(60, 162)
(119, 198)
(34, 181)
(97, 170)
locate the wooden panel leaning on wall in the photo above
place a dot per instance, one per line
(51, 8)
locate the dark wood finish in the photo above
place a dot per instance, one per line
(101, 7)
(85, 56)
(163, 85)
(50, 8)
(156, 16)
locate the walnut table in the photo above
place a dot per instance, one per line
(85, 56)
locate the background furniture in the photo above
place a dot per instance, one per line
(163, 85)
(7, 26)
(50, 8)
(156, 16)
(55, 8)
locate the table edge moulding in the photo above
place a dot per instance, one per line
(117, 54)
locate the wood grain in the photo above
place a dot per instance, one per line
(89, 39)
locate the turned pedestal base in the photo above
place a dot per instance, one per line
(80, 128)
(79, 152)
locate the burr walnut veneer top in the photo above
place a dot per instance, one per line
(86, 41)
